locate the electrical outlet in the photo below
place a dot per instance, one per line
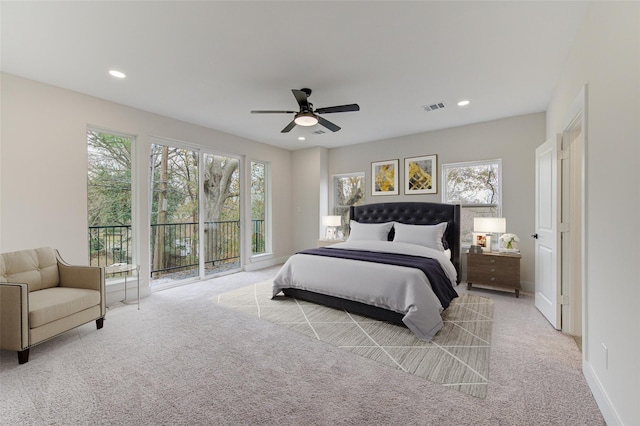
(606, 356)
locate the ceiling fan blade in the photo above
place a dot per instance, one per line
(272, 112)
(289, 127)
(329, 125)
(302, 99)
(338, 108)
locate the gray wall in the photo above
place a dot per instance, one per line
(606, 58)
(514, 140)
(309, 186)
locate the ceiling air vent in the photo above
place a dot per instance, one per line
(318, 132)
(433, 107)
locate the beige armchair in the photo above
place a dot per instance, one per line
(41, 297)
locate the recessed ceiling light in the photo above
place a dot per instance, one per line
(301, 138)
(117, 74)
(463, 103)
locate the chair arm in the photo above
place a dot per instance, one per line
(89, 277)
(14, 316)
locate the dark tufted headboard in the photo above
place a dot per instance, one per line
(415, 214)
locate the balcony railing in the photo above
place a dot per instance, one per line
(180, 251)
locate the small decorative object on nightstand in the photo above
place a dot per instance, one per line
(494, 269)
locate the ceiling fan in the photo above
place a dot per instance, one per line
(307, 116)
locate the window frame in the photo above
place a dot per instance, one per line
(268, 248)
(134, 228)
(334, 206)
(497, 205)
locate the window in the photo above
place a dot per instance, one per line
(477, 187)
(109, 198)
(348, 190)
(259, 242)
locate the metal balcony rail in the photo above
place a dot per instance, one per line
(177, 247)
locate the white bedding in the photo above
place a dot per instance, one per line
(396, 288)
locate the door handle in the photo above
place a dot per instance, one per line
(535, 236)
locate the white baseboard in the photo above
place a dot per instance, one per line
(600, 395)
(261, 264)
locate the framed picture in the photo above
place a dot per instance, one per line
(482, 240)
(384, 177)
(421, 175)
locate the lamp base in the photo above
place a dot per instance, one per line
(331, 233)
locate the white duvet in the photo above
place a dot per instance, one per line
(396, 288)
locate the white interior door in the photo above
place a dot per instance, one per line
(547, 297)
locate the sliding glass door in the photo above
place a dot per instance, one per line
(174, 214)
(221, 208)
(195, 214)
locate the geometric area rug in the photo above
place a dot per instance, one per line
(457, 357)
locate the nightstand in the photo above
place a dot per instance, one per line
(322, 243)
(494, 269)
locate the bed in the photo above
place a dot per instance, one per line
(400, 264)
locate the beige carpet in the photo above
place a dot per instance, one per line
(457, 357)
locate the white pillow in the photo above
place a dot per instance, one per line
(422, 235)
(369, 231)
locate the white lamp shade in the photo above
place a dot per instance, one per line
(490, 225)
(331, 221)
(305, 119)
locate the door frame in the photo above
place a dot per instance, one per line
(576, 118)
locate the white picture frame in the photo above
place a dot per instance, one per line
(384, 177)
(421, 175)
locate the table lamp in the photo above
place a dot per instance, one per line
(332, 223)
(483, 227)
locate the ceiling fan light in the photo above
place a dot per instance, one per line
(306, 119)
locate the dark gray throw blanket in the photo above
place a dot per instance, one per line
(440, 283)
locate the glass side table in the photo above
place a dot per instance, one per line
(125, 268)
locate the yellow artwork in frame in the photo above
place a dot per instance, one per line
(384, 177)
(421, 175)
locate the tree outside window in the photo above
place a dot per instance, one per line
(348, 190)
(477, 187)
(109, 201)
(258, 207)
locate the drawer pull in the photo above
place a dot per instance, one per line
(493, 269)
(493, 278)
(492, 261)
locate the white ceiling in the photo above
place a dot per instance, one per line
(210, 63)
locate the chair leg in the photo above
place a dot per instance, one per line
(23, 356)
(99, 323)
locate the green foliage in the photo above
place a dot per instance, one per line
(258, 171)
(109, 179)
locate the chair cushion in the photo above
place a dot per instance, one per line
(52, 304)
(36, 267)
